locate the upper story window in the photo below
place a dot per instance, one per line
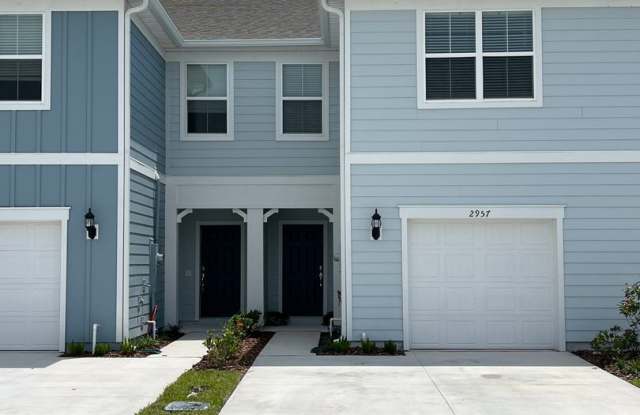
(207, 103)
(479, 59)
(24, 70)
(302, 110)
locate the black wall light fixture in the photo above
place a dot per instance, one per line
(376, 225)
(90, 225)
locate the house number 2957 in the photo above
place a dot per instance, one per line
(477, 213)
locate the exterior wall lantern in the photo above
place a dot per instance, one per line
(376, 225)
(90, 225)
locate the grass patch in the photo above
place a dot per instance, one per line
(636, 382)
(213, 386)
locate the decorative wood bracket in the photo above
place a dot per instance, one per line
(241, 213)
(328, 214)
(269, 213)
(184, 213)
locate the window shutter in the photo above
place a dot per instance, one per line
(21, 34)
(450, 33)
(507, 31)
(302, 80)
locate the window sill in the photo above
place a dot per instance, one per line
(302, 137)
(497, 103)
(206, 137)
(25, 106)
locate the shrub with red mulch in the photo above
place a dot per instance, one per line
(250, 348)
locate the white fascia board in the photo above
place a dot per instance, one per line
(145, 170)
(62, 5)
(495, 157)
(60, 159)
(353, 5)
(496, 212)
(34, 214)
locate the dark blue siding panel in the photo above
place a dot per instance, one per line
(84, 91)
(91, 265)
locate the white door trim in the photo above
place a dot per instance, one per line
(462, 212)
(196, 271)
(53, 214)
(325, 250)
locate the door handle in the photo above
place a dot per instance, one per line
(321, 276)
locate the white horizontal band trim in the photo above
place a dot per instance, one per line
(249, 180)
(35, 214)
(74, 5)
(495, 157)
(448, 5)
(140, 167)
(489, 212)
(60, 159)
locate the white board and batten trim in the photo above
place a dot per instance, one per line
(496, 213)
(48, 214)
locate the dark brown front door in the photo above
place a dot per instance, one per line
(302, 269)
(219, 270)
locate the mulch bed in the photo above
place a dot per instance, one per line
(250, 348)
(323, 349)
(603, 362)
(164, 339)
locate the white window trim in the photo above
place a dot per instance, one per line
(185, 135)
(280, 135)
(51, 214)
(548, 212)
(480, 102)
(45, 103)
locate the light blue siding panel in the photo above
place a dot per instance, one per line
(590, 80)
(91, 265)
(84, 91)
(254, 151)
(601, 231)
(147, 102)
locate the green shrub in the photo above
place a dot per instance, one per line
(102, 349)
(254, 315)
(340, 346)
(275, 318)
(75, 349)
(390, 347)
(128, 347)
(145, 342)
(221, 349)
(616, 342)
(368, 346)
(630, 306)
(240, 325)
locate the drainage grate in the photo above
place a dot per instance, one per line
(178, 406)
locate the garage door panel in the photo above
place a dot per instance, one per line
(499, 293)
(29, 286)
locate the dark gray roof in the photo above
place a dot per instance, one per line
(245, 19)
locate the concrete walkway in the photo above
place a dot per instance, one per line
(34, 383)
(287, 379)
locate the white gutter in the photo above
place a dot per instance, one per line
(127, 159)
(343, 257)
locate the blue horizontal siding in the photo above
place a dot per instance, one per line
(91, 265)
(254, 151)
(601, 231)
(84, 91)
(591, 83)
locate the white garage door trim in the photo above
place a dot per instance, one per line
(484, 213)
(48, 214)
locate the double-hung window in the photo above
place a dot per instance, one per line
(207, 107)
(479, 58)
(24, 72)
(301, 103)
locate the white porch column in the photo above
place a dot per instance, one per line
(337, 285)
(171, 258)
(255, 259)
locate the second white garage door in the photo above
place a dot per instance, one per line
(29, 285)
(482, 285)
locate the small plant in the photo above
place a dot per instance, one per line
(145, 342)
(340, 346)
(254, 315)
(390, 347)
(630, 306)
(368, 346)
(275, 318)
(75, 349)
(128, 347)
(222, 349)
(616, 342)
(240, 325)
(102, 349)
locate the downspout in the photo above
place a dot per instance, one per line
(343, 257)
(126, 159)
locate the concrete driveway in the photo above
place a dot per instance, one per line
(35, 383)
(286, 379)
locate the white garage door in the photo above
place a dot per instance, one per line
(29, 286)
(482, 285)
